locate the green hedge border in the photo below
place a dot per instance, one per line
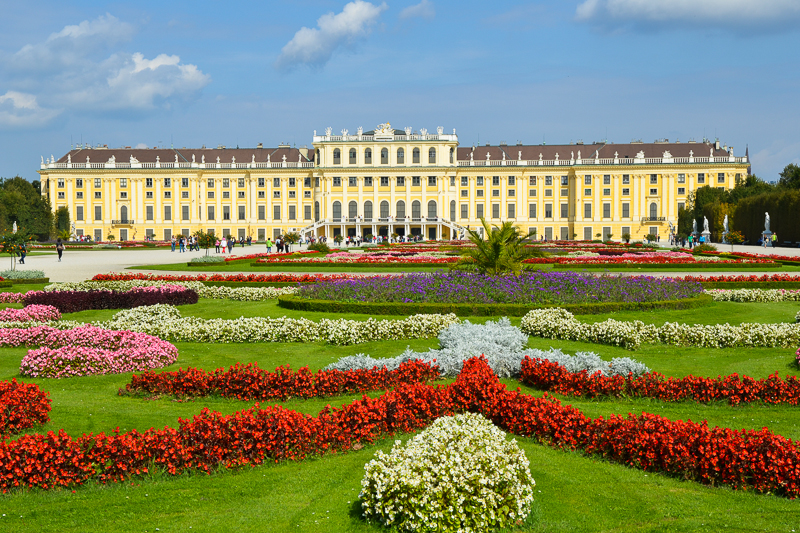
(30, 281)
(5, 284)
(402, 308)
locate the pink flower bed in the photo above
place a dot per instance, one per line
(11, 297)
(87, 350)
(37, 313)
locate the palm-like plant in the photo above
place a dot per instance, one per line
(500, 251)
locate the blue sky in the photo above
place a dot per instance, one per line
(209, 72)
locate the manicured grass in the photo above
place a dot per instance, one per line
(320, 494)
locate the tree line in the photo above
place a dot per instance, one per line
(745, 205)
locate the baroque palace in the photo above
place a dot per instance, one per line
(383, 182)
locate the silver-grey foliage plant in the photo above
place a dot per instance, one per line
(504, 347)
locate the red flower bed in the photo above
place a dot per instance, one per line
(368, 259)
(249, 382)
(74, 301)
(264, 254)
(758, 460)
(734, 389)
(744, 278)
(22, 406)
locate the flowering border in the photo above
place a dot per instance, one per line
(757, 460)
(74, 301)
(249, 382)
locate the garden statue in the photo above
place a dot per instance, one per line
(766, 222)
(15, 226)
(705, 225)
(694, 226)
(725, 224)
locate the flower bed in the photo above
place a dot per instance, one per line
(265, 254)
(529, 288)
(786, 281)
(12, 297)
(752, 460)
(165, 321)
(558, 323)
(459, 474)
(73, 301)
(87, 350)
(755, 295)
(226, 279)
(644, 258)
(22, 406)
(35, 313)
(735, 389)
(249, 382)
(218, 293)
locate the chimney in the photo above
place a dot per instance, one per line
(716, 144)
(260, 145)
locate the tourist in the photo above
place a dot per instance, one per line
(216, 246)
(172, 242)
(269, 245)
(774, 240)
(59, 248)
(22, 252)
(181, 244)
(231, 243)
(224, 244)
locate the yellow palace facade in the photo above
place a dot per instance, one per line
(383, 182)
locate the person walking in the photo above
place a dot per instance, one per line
(172, 242)
(224, 244)
(216, 245)
(774, 240)
(269, 245)
(59, 248)
(23, 251)
(231, 242)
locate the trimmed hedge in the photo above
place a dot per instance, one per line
(5, 284)
(403, 308)
(74, 301)
(30, 281)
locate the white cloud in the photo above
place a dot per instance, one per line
(22, 110)
(78, 69)
(423, 10)
(730, 14)
(315, 46)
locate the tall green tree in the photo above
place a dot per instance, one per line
(790, 177)
(23, 204)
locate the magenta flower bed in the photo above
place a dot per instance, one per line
(37, 313)
(11, 297)
(87, 350)
(74, 301)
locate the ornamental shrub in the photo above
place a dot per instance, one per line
(460, 474)
(208, 259)
(320, 247)
(22, 274)
(22, 406)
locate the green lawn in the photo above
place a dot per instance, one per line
(577, 493)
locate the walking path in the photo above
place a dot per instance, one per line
(78, 265)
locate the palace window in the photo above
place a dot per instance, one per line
(148, 195)
(353, 156)
(432, 156)
(606, 210)
(307, 182)
(185, 194)
(587, 192)
(276, 194)
(368, 156)
(415, 155)
(495, 180)
(531, 210)
(306, 212)
(401, 181)
(681, 190)
(384, 156)
(681, 178)
(587, 179)
(626, 192)
(479, 193)
(276, 212)
(721, 177)
(512, 192)
(548, 181)
(564, 210)
(384, 181)
(479, 211)
(464, 193)
(240, 194)
(337, 156)
(167, 212)
(98, 213)
(292, 194)
(98, 194)
(626, 210)
(415, 181)
(210, 182)
(61, 195)
(626, 179)
(401, 156)
(184, 212)
(79, 195)
(306, 194)
(384, 209)
(226, 183)
(292, 212)
(79, 183)
(495, 193)
(261, 182)
(123, 182)
(479, 181)
(606, 192)
(148, 212)
(587, 210)
(98, 183)
(262, 212)
(532, 192)
(464, 211)
(416, 211)
(653, 179)
(292, 182)
(352, 181)
(79, 212)
(495, 210)
(512, 180)
(431, 181)
(337, 211)
(606, 179)
(548, 210)
(401, 209)
(337, 182)
(167, 182)
(148, 182)
(368, 181)
(532, 180)
(211, 212)
(653, 210)
(276, 182)
(653, 192)
(564, 180)
(548, 192)
(185, 182)
(464, 181)
(167, 194)
(701, 178)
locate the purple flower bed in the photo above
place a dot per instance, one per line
(539, 288)
(74, 301)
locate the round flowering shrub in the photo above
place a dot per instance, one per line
(460, 474)
(30, 313)
(11, 297)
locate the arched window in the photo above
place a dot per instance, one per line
(453, 210)
(352, 209)
(384, 209)
(415, 209)
(337, 211)
(415, 156)
(401, 156)
(452, 155)
(316, 211)
(384, 156)
(123, 213)
(432, 209)
(653, 210)
(368, 156)
(368, 210)
(432, 155)
(353, 159)
(401, 209)
(337, 157)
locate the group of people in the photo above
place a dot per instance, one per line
(227, 243)
(182, 242)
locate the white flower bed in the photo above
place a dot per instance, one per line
(558, 323)
(242, 294)
(504, 347)
(754, 295)
(165, 321)
(459, 474)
